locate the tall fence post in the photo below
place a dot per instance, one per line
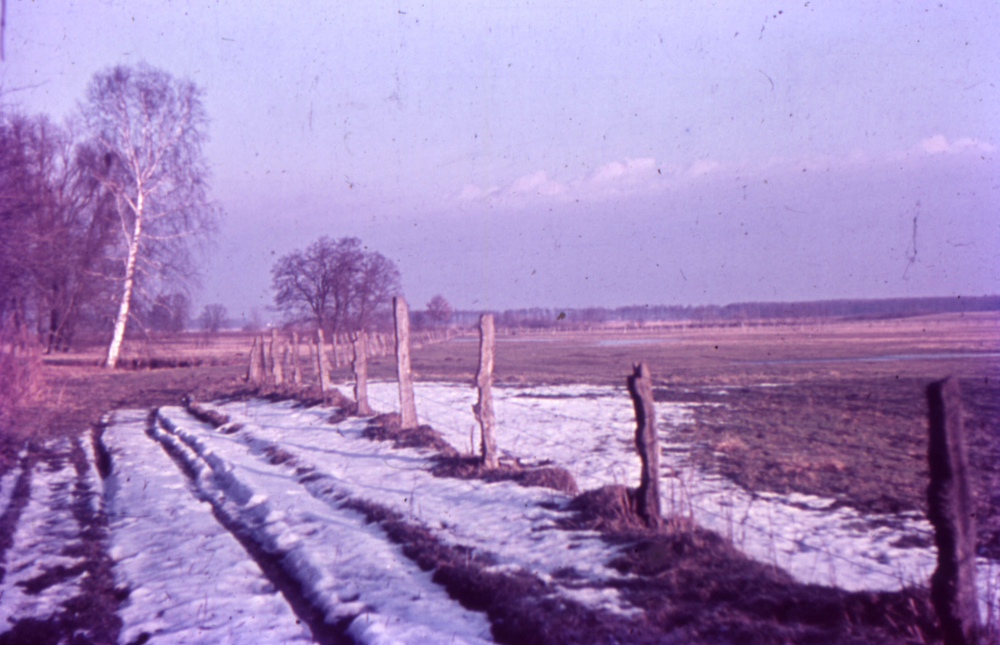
(296, 368)
(407, 407)
(262, 357)
(360, 365)
(277, 369)
(640, 386)
(951, 511)
(324, 371)
(253, 370)
(484, 381)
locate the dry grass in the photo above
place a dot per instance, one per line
(21, 381)
(692, 585)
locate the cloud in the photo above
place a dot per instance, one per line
(627, 170)
(470, 192)
(611, 180)
(537, 183)
(703, 167)
(939, 144)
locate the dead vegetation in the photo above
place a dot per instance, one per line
(693, 585)
(844, 434)
(696, 581)
(862, 441)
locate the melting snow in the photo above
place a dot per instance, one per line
(589, 431)
(39, 574)
(190, 580)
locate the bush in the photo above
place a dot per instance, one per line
(20, 364)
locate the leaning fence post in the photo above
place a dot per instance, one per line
(407, 407)
(484, 381)
(360, 365)
(951, 511)
(640, 386)
(324, 372)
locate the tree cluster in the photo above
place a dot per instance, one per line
(56, 231)
(97, 216)
(337, 284)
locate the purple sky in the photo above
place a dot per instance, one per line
(566, 154)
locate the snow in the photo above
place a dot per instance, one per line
(7, 483)
(45, 532)
(346, 566)
(190, 580)
(589, 431)
(504, 519)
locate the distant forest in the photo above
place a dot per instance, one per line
(737, 312)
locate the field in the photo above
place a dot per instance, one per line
(828, 419)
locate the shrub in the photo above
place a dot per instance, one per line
(20, 365)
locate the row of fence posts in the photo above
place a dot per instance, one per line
(275, 362)
(950, 501)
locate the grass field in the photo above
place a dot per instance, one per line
(834, 409)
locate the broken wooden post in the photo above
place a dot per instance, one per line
(484, 382)
(321, 366)
(274, 350)
(360, 366)
(296, 369)
(254, 376)
(640, 386)
(407, 407)
(952, 512)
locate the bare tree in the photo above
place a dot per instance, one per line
(148, 130)
(170, 312)
(212, 318)
(376, 284)
(55, 229)
(439, 310)
(338, 284)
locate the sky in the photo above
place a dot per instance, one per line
(572, 154)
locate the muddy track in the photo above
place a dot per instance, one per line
(521, 607)
(269, 563)
(89, 614)
(12, 514)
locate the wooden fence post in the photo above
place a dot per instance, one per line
(335, 341)
(640, 386)
(268, 358)
(484, 381)
(253, 370)
(277, 369)
(360, 365)
(951, 511)
(324, 372)
(296, 369)
(407, 407)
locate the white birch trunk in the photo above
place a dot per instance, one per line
(133, 253)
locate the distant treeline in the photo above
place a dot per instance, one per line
(843, 309)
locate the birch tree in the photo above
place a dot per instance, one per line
(148, 129)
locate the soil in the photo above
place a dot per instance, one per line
(835, 409)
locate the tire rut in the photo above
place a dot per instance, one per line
(269, 563)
